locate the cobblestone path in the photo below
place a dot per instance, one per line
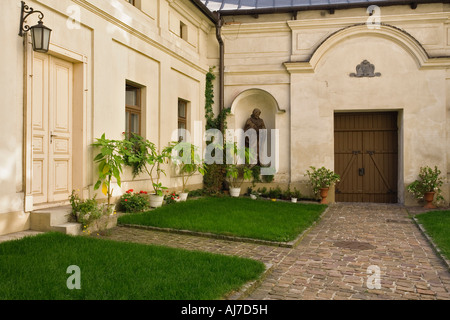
(340, 258)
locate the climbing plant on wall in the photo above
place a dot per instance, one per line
(214, 178)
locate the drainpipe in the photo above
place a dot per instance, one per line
(221, 65)
(218, 22)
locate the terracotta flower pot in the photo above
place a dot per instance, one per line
(428, 197)
(324, 195)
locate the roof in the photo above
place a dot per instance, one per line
(271, 6)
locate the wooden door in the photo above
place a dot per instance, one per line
(52, 87)
(366, 157)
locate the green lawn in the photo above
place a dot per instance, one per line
(437, 225)
(35, 268)
(243, 217)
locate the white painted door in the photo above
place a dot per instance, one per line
(52, 86)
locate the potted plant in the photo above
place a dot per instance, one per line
(92, 216)
(427, 186)
(143, 156)
(189, 164)
(237, 173)
(295, 195)
(254, 195)
(321, 180)
(110, 164)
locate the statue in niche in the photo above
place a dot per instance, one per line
(365, 69)
(256, 123)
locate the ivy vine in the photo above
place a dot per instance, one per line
(212, 122)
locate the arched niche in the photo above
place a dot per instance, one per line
(248, 100)
(244, 104)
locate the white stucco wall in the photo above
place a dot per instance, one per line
(109, 42)
(305, 64)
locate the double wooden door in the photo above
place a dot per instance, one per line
(52, 86)
(366, 157)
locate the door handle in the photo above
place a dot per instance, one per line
(362, 171)
(52, 136)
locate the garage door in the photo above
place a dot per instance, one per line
(366, 157)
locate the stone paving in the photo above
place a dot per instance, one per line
(333, 259)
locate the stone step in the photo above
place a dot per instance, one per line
(70, 228)
(46, 219)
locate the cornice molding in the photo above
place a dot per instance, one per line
(394, 34)
(138, 34)
(441, 17)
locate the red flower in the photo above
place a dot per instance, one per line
(126, 200)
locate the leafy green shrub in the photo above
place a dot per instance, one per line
(171, 198)
(267, 178)
(429, 181)
(197, 193)
(275, 193)
(296, 194)
(214, 178)
(85, 211)
(321, 178)
(110, 164)
(263, 192)
(134, 202)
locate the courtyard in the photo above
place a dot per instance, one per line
(355, 252)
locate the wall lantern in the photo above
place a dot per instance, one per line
(40, 34)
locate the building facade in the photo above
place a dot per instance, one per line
(365, 95)
(359, 88)
(113, 66)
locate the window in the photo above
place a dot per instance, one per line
(133, 110)
(183, 31)
(182, 119)
(136, 3)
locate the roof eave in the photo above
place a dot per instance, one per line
(290, 9)
(212, 16)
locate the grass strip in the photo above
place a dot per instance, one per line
(240, 217)
(35, 268)
(437, 225)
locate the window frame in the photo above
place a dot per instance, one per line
(184, 31)
(133, 109)
(183, 120)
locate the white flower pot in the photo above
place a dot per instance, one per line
(183, 196)
(235, 192)
(156, 201)
(294, 200)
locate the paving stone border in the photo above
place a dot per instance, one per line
(250, 287)
(290, 244)
(433, 245)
